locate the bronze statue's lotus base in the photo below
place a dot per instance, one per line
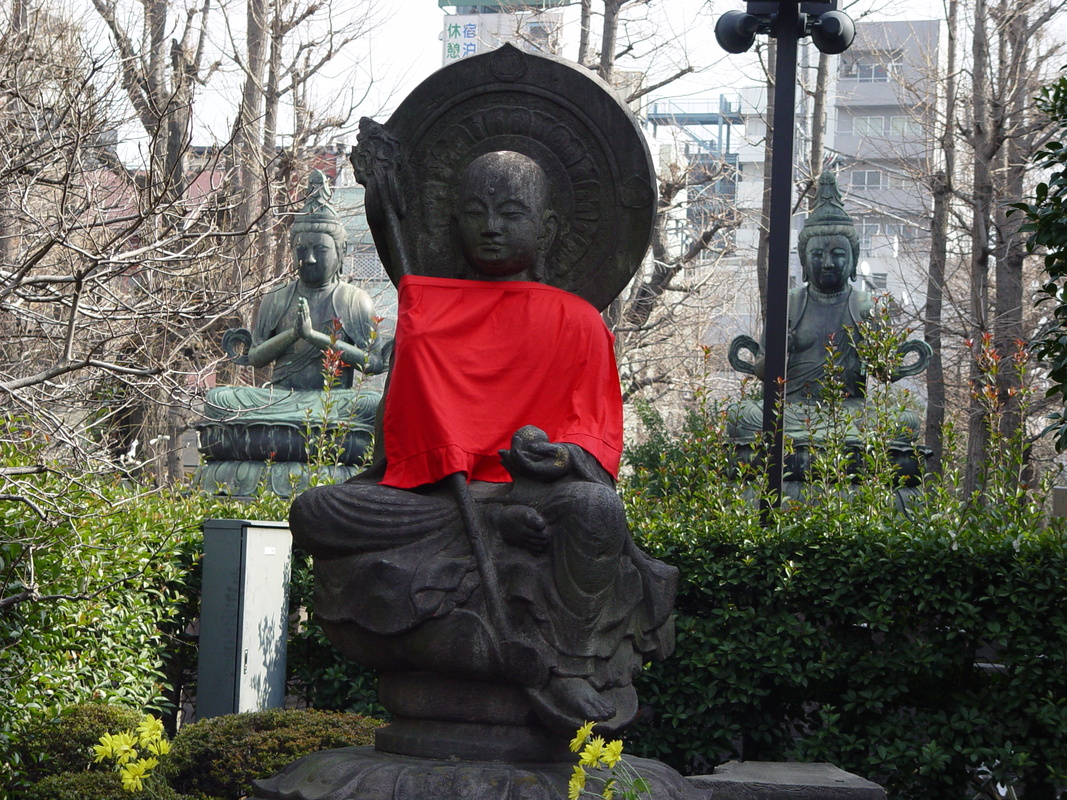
(254, 439)
(283, 478)
(365, 773)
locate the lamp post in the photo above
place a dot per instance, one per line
(832, 32)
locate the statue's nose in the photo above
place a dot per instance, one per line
(493, 225)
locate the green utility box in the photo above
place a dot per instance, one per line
(244, 615)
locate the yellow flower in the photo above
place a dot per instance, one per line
(132, 776)
(160, 748)
(612, 753)
(124, 747)
(581, 736)
(576, 784)
(106, 748)
(150, 729)
(609, 789)
(594, 749)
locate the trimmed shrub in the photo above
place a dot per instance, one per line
(119, 584)
(914, 649)
(223, 755)
(63, 743)
(93, 786)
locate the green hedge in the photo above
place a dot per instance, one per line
(64, 743)
(220, 757)
(215, 759)
(913, 650)
(844, 632)
(94, 786)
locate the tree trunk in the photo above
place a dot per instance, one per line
(248, 136)
(16, 36)
(935, 280)
(586, 27)
(1011, 247)
(818, 123)
(942, 188)
(983, 137)
(271, 100)
(610, 36)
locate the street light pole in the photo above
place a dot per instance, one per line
(786, 30)
(832, 31)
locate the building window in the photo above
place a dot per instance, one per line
(867, 68)
(868, 126)
(365, 267)
(877, 281)
(867, 230)
(903, 231)
(901, 180)
(866, 179)
(904, 126)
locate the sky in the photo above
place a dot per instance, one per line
(378, 71)
(407, 47)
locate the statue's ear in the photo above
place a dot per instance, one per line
(551, 226)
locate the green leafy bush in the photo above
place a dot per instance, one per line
(99, 581)
(1046, 223)
(63, 743)
(92, 786)
(911, 649)
(223, 755)
(317, 673)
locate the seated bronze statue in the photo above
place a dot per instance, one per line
(826, 319)
(253, 434)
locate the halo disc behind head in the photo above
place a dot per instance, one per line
(563, 117)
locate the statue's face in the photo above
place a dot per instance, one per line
(829, 260)
(502, 214)
(316, 257)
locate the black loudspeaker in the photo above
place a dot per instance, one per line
(832, 32)
(735, 31)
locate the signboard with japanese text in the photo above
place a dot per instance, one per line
(462, 35)
(468, 35)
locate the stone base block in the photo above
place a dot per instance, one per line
(771, 780)
(362, 773)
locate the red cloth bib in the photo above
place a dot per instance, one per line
(476, 360)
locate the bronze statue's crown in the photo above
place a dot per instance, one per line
(318, 214)
(829, 208)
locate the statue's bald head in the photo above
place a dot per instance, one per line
(504, 223)
(506, 170)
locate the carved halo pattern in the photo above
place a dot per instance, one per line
(565, 119)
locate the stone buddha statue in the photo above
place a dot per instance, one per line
(483, 564)
(825, 317)
(572, 608)
(252, 434)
